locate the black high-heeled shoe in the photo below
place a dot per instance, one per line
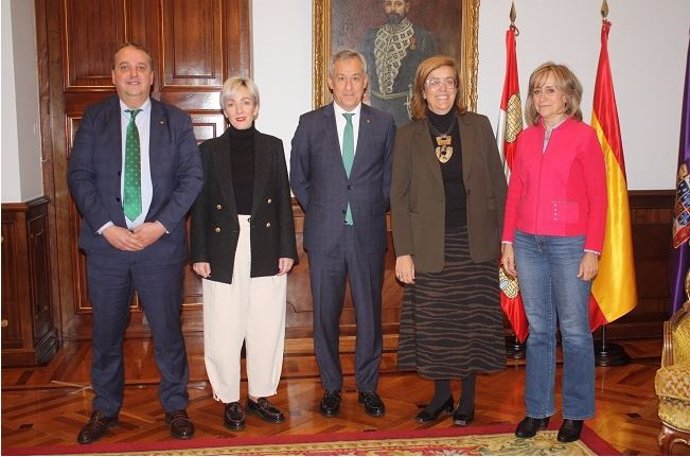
(463, 419)
(425, 416)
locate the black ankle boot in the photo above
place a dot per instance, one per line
(529, 426)
(570, 430)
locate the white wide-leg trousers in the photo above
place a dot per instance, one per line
(251, 311)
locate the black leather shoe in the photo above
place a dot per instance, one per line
(330, 403)
(426, 416)
(463, 419)
(529, 426)
(233, 418)
(570, 430)
(97, 426)
(181, 427)
(265, 410)
(373, 404)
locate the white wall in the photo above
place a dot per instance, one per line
(647, 45)
(11, 186)
(282, 64)
(21, 145)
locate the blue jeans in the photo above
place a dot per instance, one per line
(553, 295)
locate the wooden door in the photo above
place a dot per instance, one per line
(195, 46)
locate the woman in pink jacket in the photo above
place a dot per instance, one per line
(553, 233)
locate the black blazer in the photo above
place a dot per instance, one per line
(215, 228)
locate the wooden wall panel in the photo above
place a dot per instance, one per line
(40, 295)
(192, 44)
(29, 336)
(91, 28)
(651, 213)
(13, 248)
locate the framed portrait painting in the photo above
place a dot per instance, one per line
(395, 36)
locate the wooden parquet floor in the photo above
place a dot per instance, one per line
(48, 405)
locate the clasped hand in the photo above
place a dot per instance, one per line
(134, 240)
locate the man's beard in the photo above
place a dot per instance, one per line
(395, 18)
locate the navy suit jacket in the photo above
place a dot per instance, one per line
(323, 189)
(96, 165)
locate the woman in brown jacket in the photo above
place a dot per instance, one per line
(447, 197)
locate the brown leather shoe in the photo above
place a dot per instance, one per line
(97, 426)
(181, 427)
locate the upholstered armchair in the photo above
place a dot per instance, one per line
(672, 382)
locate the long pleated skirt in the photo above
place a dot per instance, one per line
(452, 324)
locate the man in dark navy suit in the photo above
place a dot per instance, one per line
(341, 174)
(134, 173)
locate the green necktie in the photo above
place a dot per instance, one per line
(348, 156)
(132, 185)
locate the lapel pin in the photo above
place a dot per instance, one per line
(162, 122)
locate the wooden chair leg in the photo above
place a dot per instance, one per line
(669, 437)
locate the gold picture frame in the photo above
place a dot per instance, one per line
(466, 49)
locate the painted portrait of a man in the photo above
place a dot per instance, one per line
(395, 36)
(393, 51)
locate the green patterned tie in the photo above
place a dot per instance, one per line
(132, 185)
(348, 156)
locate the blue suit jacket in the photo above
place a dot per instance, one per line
(96, 165)
(319, 181)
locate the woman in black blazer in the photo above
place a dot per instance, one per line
(243, 245)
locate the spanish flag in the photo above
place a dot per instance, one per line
(614, 292)
(509, 125)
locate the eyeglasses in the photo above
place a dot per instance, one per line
(435, 83)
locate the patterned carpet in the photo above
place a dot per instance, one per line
(490, 440)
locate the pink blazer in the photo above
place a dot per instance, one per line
(561, 191)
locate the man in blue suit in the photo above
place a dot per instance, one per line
(134, 173)
(340, 172)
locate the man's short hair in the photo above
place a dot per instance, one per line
(343, 55)
(132, 44)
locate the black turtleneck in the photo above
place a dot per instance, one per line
(242, 152)
(456, 198)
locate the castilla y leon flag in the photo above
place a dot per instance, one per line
(509, 125)
(614, 291)
(680, 256)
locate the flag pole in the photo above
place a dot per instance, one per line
(514, 348)
(607, 353)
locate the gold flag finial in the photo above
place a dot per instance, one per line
(604, 9)
(512, 13)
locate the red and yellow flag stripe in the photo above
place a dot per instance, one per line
(614, 291)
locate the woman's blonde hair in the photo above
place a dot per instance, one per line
(418, 105)
(564, 80)
(231, 85)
